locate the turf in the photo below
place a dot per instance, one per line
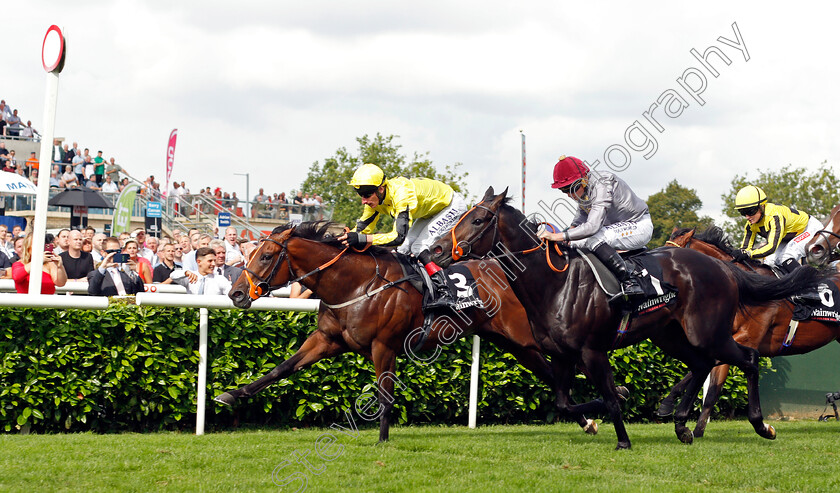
(805, 457)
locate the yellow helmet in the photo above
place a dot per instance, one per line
(750, 196)
(369, 175)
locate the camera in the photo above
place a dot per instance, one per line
(831, 397)
(121, 258)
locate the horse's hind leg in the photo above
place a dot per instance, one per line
(666, 407)
(316, 347)
(748, 363)
(564, 373)
(385, 364)
(716, 380)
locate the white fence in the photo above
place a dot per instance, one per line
(175, 298)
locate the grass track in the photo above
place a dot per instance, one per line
(805, 457)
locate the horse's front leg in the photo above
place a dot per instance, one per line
(666, 407)
(716, 381)
(385, 364)
(316, 347)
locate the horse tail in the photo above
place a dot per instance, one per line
(755, 289)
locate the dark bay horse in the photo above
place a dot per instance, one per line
(825, 245)
(764, 328)
(355, 315)
(573, 320)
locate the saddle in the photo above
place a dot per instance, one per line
(657, 292)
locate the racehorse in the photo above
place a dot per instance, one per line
(765, 328)
(365, 310)
(825, 245)
(574, 321)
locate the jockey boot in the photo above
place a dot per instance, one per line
(788, 267)
(441, 296)
(626, 276)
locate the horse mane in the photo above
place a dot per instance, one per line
(519, 215)
(319, 231)
(715, 236)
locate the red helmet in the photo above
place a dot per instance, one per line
(568, 170)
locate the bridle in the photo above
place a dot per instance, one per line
(263, 286)
(458, 251)
(831, 252)
(458, 248)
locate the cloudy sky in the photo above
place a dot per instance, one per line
(269, 87)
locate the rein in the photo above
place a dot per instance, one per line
(458, 250)
(263, 287)
(674, 244)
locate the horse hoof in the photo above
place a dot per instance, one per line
(623, 446)
(591, 427)
(687, 437)
(664, 411)
(698, 433)
(769, 432)
(225, 398)
(622, 392)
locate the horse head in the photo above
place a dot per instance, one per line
(263, 271)
(825, 245)
(681, 237)
(482, 228)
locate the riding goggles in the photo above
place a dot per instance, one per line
(365, 191)
(749, 211)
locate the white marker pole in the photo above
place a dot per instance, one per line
(473, 407)
(202, 371)
(53, 53)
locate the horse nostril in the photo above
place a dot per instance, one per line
(438, 250)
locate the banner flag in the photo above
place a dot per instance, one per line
(122, 213)
(170, 158)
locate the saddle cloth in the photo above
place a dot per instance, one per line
(459, 278)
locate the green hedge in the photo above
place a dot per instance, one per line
(132, 368)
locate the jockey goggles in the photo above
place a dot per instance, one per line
(749, 211)
(365, 191)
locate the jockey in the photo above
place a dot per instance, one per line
(423, 211)
(786, 230)
(610, 217)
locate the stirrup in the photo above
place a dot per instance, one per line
(631, 288)
(443, 301)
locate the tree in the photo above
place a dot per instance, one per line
(814, 192)
(674, 206)
(330, 179)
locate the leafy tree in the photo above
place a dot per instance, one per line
(674, 206)
(815, 192)
(330, 179)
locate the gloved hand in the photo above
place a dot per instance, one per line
(356, 239)
(740, 256)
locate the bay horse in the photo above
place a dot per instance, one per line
(365, 310)
(764, 328)
(574, 321)
(825, 245)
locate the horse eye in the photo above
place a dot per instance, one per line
(265, 257)
(478, 221)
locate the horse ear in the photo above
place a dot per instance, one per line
(489, 193)
(504, 192)
(690, 234)
(674, 231)
(499, 199)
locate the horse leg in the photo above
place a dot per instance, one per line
(385, 364)
(564, 374)
(748, 363)
(549, 374)
(598, 365)
(316, 347)
(666, 408)
(716, 381)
